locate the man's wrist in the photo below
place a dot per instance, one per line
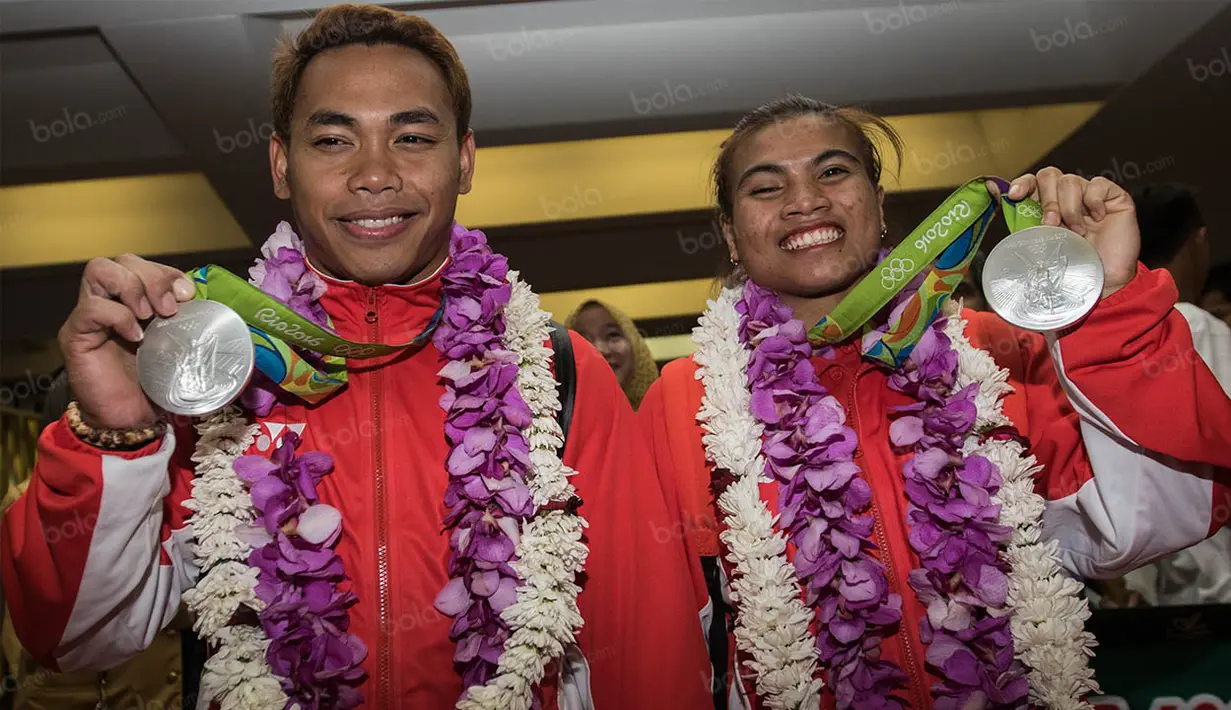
(125, 439)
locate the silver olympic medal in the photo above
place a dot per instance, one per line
(197, 361)
(1043, 278)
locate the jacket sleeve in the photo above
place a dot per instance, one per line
(641, 640)
(692, 505)
(1137, 448)
(95, 553)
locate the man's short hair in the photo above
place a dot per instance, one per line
(1167, 215)
(370, 25)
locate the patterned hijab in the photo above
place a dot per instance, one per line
(645, 371)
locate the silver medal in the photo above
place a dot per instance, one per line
(196, 362)
(1043, 278)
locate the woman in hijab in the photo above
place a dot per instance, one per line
(615, 336)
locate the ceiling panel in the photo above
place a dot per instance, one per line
(69, 104)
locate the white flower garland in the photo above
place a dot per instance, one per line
(771, 623)
(543, 621)
(237, 675)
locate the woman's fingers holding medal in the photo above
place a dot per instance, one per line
(1098, 209)
(1060, 196)
(1071, 201)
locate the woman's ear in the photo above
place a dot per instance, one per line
(880, 203)
(728, 233)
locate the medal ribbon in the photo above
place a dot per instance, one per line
(274, 327)
(947, 241)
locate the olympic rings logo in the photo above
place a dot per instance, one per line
(896, 271)
(1028, 210)
(354, 351)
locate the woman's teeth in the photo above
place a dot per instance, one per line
(377, 223)
(824, 235)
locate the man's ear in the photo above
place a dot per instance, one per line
(279, 167)
(466, 158)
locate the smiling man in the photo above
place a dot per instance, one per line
(413, 539)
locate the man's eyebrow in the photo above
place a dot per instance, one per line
(327, 117)
(411, 117)
(414, 117)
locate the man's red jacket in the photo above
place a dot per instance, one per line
(97, 553)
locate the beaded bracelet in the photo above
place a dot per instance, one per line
(115, 439)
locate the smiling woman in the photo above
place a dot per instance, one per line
(825, 254)
(903, 532)
(621, 345)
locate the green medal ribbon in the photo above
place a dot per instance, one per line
(274, 328)
(947, 240)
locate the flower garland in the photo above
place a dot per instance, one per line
(489, 462)
(1043, 607)
(1049, 612)
(550, 555)
(237, 675)
(955, 531)
(265, 541)
(810, 452)
(771, 621)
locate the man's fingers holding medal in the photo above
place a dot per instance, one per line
(142, 288)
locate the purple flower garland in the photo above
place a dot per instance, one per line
(305, 616)
(955, 530)
(822, 500)
(489, 457)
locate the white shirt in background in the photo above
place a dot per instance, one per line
(1202, 573)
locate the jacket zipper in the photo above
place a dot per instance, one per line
(915, 677)
(384, 690)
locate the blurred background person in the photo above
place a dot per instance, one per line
(617, 338)
(1173, 237)
(1217, 297)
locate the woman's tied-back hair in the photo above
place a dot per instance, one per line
(369, 25)
(871, 132)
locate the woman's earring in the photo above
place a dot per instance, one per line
(884, 232)
(734, 261)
